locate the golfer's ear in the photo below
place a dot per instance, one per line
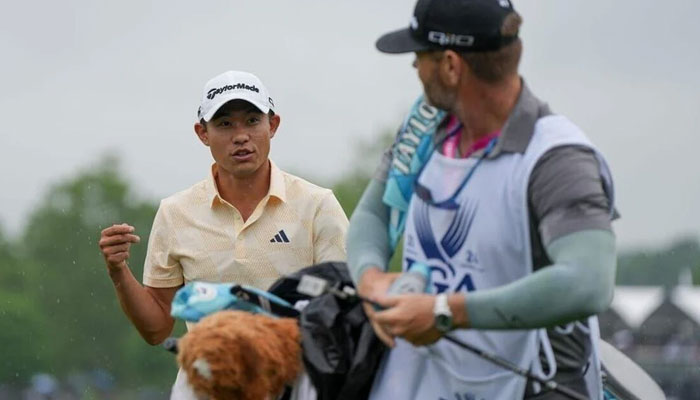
(274, 124)
(201, 130)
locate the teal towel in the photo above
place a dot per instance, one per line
(413, 146)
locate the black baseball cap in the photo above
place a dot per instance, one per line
(461, 25)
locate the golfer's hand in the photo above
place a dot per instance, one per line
(409, 316)
(373, 284)
(115, 242)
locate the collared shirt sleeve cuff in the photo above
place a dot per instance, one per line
(163, 282)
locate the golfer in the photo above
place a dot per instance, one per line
(247, 222)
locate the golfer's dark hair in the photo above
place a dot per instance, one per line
(495, 66)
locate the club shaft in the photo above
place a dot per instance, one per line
(552, 385)
(514, 368)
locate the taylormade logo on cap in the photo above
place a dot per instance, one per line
(233, 85)
(213, 92)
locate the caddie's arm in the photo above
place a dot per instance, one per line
(579, 283)
(368, 234)
(369, 251)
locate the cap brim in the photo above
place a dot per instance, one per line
(240, 96)
(400, 41)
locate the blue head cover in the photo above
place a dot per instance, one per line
(199, 299)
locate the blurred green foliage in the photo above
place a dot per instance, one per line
(58, 310)
(677, 263)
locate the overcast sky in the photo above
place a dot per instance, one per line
(81, 79)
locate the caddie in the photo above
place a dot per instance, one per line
(508, 203)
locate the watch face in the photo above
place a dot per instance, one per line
(443, 322)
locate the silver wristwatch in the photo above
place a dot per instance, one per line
(443, 314)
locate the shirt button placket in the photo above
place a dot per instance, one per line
(235, 233)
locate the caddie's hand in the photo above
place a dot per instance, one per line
(409, 316)
(375, 283)
(115, 242)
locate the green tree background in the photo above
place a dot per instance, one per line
(59, 313)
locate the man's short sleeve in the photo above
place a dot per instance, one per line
(566, 193)
(161, 269)
(330, 228)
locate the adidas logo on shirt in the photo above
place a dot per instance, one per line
(280, 237)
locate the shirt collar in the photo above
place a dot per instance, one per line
(277, 188)
(520, 126)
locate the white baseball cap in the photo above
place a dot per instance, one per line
(233, 85)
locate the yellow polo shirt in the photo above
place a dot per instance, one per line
(198, 236)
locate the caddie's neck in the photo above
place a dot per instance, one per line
(483, 108)
(244, 192)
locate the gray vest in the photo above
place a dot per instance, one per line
(483, 244)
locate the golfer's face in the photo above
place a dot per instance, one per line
(239, 137)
